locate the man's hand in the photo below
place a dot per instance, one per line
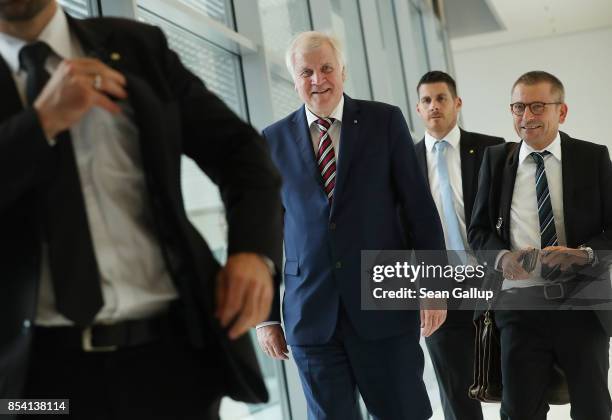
(431, 320)
(244, 293)
(73, 89)
(512, 267)
(563, 257)
(272, 341)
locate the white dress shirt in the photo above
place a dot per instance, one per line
(333, 131)
(453, 162)
(524, 219)
(135, 281)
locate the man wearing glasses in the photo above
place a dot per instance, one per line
(551, 193)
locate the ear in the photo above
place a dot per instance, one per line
(458, 103)
(563, 113)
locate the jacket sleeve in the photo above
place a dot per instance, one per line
(418, 210)
(602, 243)
(482, 236)
(233, 156)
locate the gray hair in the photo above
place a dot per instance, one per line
(309, 41)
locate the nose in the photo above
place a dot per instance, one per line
(528, 115)
(317, 78)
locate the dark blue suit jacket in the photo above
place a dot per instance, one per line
(381, 202)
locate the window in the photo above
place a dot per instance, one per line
(346, 23)
(77, 8)
(219, 10)
(281, 20)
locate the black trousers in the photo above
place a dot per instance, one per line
(532, 340)
(451, 349)
(165, 379)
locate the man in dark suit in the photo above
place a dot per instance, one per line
(349, 172)
(551, 193)
(450, 159)
(105, 283)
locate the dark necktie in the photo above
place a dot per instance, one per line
(326, 158)
(548, 232)
(74, 270)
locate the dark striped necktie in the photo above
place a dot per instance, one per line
(548, 232)
(326, 158)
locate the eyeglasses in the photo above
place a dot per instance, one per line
(536, 108)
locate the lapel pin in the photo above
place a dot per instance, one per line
(115, 56)
(354, 121)
(471, 151)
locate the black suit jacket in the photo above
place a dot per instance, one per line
(472, 147)
(587, 204)
(175, 115)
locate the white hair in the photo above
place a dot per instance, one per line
(307, 41)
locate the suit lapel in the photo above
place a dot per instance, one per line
(303, 139)
(350, 144)
(96, 39)
(151, 115)
(10, 103)
(469, 170)
(421, 154)
(507, 190)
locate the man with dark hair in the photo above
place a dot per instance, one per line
(108, 294)
(551, 193)
(450, 159)
(437, 76)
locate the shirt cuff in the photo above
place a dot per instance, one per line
(499, 257)
(267, 323)
(268, 262)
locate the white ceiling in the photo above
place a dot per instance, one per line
(528, 19)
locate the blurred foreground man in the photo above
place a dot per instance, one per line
(551, 193)
(450, 158)
(108, 295)
(350, 178)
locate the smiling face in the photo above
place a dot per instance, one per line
(319, 78)
(438, 108)
(538, 131)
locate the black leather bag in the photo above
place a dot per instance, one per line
(487, 386)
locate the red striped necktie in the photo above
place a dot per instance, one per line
(326, 158)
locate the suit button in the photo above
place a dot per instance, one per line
(332, 226)
(339, 264)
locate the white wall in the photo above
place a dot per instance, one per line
(582, 61)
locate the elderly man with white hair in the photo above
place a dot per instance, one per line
(351, 182)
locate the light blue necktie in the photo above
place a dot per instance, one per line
(453, 231)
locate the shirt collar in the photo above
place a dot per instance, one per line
(56, 34)
(452, 138)
(554, 148)
(336, 113)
